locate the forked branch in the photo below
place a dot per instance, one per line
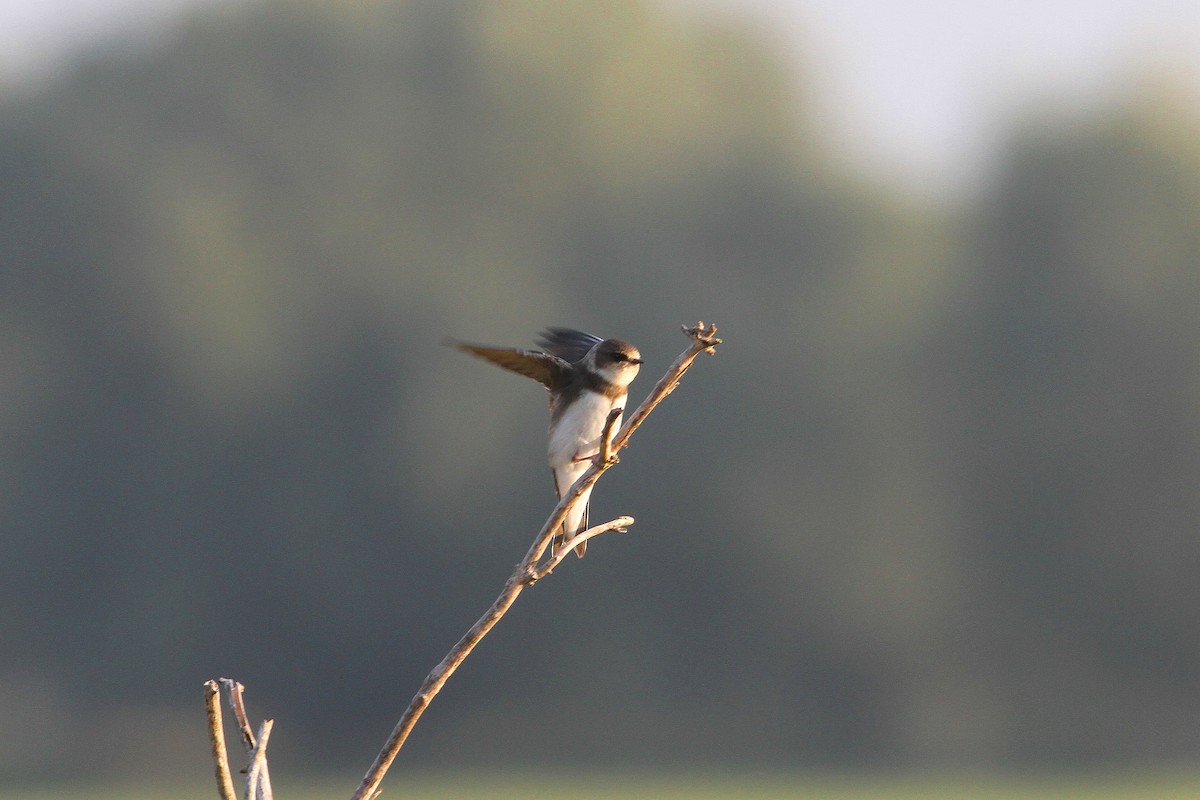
(258, 778)
(528, 571)
(620, 525)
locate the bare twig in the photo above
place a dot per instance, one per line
(527, 571)
(258, 780)
(545, 568)
(216, 736)
(704, 340)
(235, 690)
(258, 777)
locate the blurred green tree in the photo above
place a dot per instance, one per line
(945, 459)
(1082, 436)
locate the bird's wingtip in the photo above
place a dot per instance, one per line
(457, 344)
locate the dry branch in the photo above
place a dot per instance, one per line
(258, 778)
(528, 571)
(258, 782)
(620, 524)
(216, 736)
(238, 704)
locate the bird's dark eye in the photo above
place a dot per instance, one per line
(619, 357)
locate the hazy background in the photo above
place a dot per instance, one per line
(933, 506)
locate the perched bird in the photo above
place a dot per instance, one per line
(587, 378)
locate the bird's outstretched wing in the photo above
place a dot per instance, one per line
(545, 368)
(568, 344)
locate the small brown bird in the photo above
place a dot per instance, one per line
(587, 377)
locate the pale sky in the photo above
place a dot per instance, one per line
(921, 89)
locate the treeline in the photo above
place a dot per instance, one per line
(934, 502)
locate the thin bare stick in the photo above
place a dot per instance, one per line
(237, 702)
(216, 736)
(435, 680)
(258, 780)
(527, 572)
(704, 340)
(620, 524)
(235, 690)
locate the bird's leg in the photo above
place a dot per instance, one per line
(595, 459)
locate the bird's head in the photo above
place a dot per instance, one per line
(616, 361)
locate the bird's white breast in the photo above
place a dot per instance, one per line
(577, 433)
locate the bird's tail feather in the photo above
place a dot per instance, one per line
(564, 535)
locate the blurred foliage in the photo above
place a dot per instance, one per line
(693, 785)
(934, 502)
(697, 785)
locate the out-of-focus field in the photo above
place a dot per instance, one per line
(511, 786)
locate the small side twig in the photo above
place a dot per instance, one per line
(620, 524)
(258, 781)
(528, 571)
(216, 736)
(238, 705)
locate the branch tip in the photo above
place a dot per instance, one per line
(216, 737)
(705, 336)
